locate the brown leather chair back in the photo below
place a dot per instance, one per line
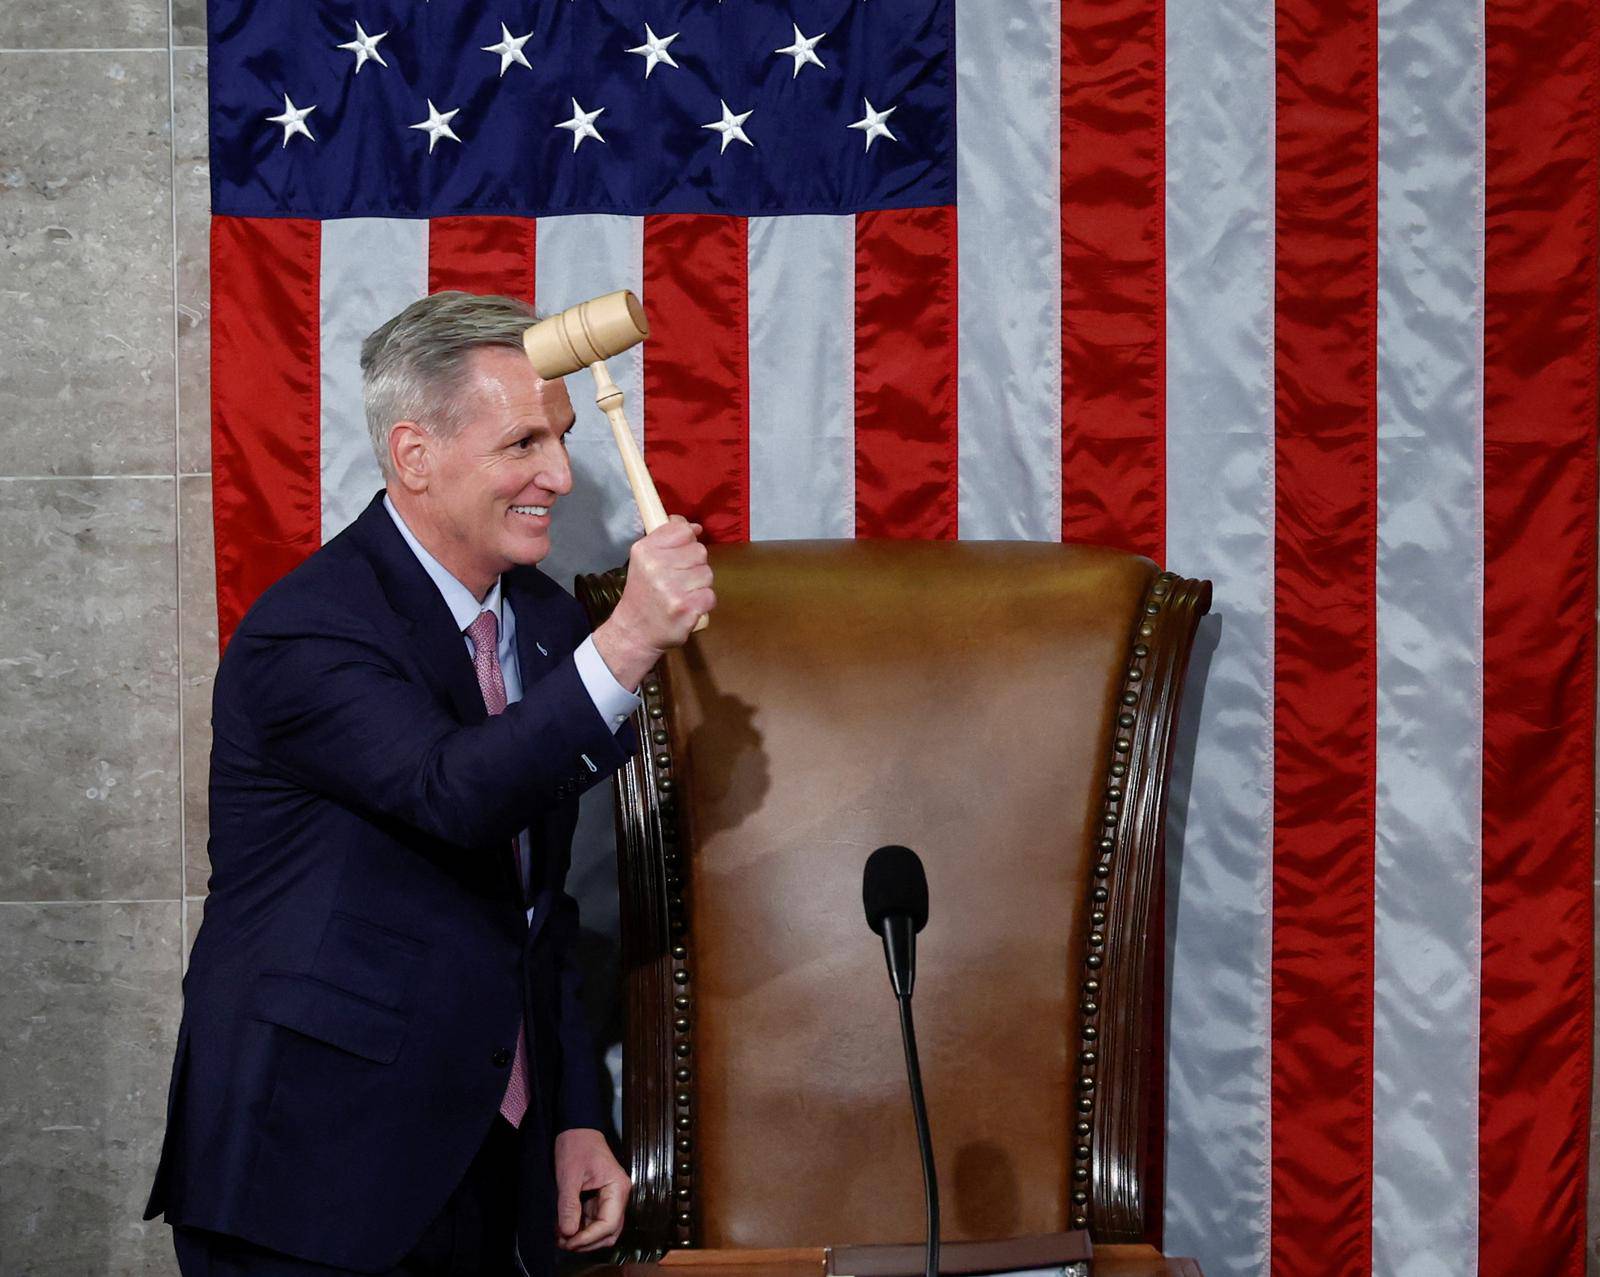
(1004, 709)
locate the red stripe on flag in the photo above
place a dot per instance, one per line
(482, 255)
(1325, 702)
(906, 450)
(265, 406)
(697, 369)
(1540, 404)
(1113, 274)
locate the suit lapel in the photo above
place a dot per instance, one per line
(435, 641)
(534, 658)
(431, 634)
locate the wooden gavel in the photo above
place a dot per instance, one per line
(586, 335)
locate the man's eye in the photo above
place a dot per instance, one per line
(524, 443)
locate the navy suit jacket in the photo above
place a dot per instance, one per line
(353, 996)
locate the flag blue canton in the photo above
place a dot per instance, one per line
(508, 156)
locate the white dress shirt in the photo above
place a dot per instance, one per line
(613, 701)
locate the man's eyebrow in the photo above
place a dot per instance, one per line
(522, 429)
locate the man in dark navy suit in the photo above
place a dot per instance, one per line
(382, 1065)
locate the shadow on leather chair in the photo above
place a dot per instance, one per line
(1006, 710)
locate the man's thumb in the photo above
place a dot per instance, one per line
(567, 1212)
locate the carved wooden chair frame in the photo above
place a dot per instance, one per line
(1118, 1135)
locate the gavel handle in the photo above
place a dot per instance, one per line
(608, 395)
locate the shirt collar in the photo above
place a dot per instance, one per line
(464, 607)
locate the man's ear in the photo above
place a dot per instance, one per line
(411, 455)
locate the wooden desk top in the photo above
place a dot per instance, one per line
(1109, 1261)
(1140, 1261)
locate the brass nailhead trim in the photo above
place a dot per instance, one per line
(659, 763)
(1094, 960)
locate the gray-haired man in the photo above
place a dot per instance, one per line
(382, 1065)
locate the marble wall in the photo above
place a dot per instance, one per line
(107, 632)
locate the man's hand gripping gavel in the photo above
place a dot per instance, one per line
(668, 591)
(668, 594)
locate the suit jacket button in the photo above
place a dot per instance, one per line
(500, 1058)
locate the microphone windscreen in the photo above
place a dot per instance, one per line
(894, 882)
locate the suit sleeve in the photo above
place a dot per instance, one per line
(336, 713)
(584, 1093)
(580, 1101)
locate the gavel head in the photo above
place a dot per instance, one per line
(581, 334)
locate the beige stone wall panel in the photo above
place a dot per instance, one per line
(188, 22)
(86, 265)
(192, 193)
(198, 628)
(89, 697)
(84, 24)
(91, 1013)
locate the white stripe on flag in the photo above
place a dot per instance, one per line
(1430, 604)
(802, 377)
(576, 258)
(372, 268)
(1008, 161)
(1220, 524)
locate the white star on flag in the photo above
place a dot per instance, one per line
(509, 48)
(437, 125)
(582, 124)
(730, 126)
(365, 46)
(293, 120)
(802, 49)
(654, 49)
(873, 123)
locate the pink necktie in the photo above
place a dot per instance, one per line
(485, 635)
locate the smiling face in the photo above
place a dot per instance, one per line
(481, 500)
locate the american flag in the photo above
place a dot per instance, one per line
(1299, 295)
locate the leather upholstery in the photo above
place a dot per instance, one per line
(959, 699)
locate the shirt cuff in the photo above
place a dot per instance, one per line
(615, 703)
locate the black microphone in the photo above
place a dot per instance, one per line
(894, 891)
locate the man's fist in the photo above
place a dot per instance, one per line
(591, 1191)
(668, 590)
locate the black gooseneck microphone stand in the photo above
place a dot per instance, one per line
(919, 1104)
(894, 891)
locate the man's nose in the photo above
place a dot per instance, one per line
(556, 476)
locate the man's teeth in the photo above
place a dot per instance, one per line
(530, 509)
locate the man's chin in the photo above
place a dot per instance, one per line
(526, 551)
